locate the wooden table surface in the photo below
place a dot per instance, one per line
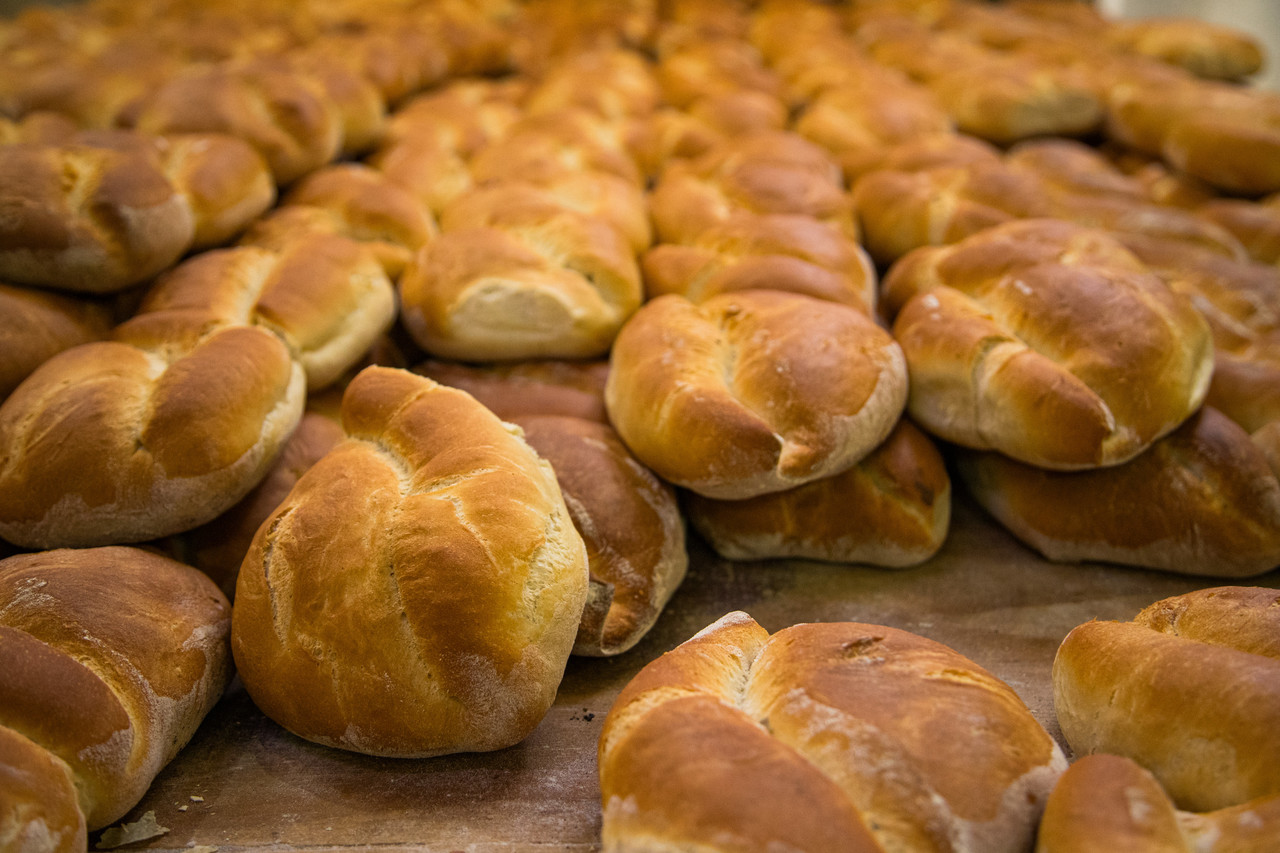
(243, 783)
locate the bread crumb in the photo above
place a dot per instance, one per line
(196, 798)
(128, 833)
(202, 848)
(183, 808)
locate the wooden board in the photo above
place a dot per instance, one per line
(984, 595)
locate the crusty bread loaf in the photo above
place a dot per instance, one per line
(172, 421)
(88, 219)
(570, 388)
(1200, 501)
(1030, 337)
(629, 520)
(899, 210)
(37, 325)
(1190, 690)
(287, 116)
(352, 201)
(546, 284)
(750, 251)
(1105, 803)
(891, 509)
(419, 591)
(752, 392)
(838, 736)
(109, 660)
(764, 173)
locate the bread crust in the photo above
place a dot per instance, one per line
(781, 726)
(419, 591)
(1176, 691)
(752, 392)
(113, 656)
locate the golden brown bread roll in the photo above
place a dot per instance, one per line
(838, 736)
(891, 509)
(1190, 689)
(1030, 337)
(1105, 803)
(669, 133)
(88, 219)
(1255, 224)
(38, 325)
(751, 251)
(613, 83)
(352, 201)
(1000, 96)
(419, 591)
(765, 173)
(1202, 500)
(900, 210)
(172, 421)
(546, 146)
(285, 115)
(545, 283)
(629, 520)
(712, 67)
(570, 388)
(111, 657)
(1201, 47)
(752, 392)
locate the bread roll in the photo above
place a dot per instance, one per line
(838, 736)
(569, 388)
(891, 509)
(1105, 803)
(1201, 501)
(1190, 690)
(546, 284)
(171, 422)
(1199, 46)
(111, 657)
(87, 219)
(629, 520)
(38, 325)
(752, 392)
(768, 173)
(419, 591)
(749, 251)
(1030, 337)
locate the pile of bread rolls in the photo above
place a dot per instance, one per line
(422, 327)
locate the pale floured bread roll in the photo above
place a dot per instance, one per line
(109, 660)
(752, 392)
(629, 520)
(1105, 803)
(1190, 689)
(419, 591)
(1202, 500)
(1031, 337)
(36, 325)
(837, 736)
(891, 509)
(749, 251)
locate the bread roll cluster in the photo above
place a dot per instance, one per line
(768, 267)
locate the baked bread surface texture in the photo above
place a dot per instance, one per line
(109, 660)
(1047, 342)
(419, 591)
(752, 392)
(1190, 690)
(836, 736)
